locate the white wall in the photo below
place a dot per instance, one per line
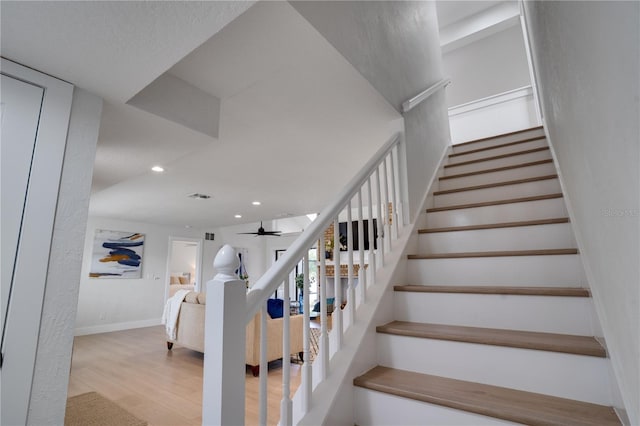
(486, 67)
(106, 304)
(586, 57)
(55, 342)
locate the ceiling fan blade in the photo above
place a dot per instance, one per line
(249, 233)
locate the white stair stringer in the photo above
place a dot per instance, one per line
(552, 236)
(498, 176)
(563, 315)
(580, 377)
(542, 271)
(497, 150)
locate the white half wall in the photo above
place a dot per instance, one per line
(108, 304)
(501, 113)
(587, 63)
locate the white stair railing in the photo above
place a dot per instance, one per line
(383, 207)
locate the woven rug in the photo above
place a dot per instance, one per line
(314, 347)
(93, 409)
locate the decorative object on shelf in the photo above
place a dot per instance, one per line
(328, 249)
(117, 254)
(300, 286)
(241, 272)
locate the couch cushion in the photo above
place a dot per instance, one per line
(202, 298)
(274, 307)
(191, 297)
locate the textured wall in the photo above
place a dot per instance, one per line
(395, 46)
(587, 58)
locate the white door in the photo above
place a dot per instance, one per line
(35, 112)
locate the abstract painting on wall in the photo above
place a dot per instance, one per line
(117, 254)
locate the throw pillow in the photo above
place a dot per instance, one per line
(274, 307)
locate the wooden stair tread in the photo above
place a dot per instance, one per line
(502, 290)
(502, 253)
(552, 342)
(496, 203)
(494, 401)
(497, 184)
(498, 157)
(498, 136)
(495, 225)
(498, 169)
(504, 145)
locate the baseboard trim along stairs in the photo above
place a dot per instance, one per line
(494, 323)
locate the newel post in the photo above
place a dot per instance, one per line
(224, 344)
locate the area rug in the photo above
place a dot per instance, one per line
(93, 409)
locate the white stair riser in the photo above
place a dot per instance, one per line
(500, 162)
(518, 238)
(513, 212)
(541, 271)
(538, 143)
(579, 377)
(564, 315)
(528, 189)
(496, 177)
(378, 408)
(498, 141)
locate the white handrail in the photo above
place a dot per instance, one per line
(273, 278)
(416, 100)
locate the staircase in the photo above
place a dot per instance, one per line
(494, 325)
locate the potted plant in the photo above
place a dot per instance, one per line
(300, 286)
(328, 249)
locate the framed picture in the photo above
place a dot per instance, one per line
(117, 254)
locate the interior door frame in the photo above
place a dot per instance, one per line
(22, 329)
(199, 252)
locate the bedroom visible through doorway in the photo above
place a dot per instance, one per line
(183, 265)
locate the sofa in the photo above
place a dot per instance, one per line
(190, 332)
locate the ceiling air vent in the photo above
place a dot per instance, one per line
(199, 196)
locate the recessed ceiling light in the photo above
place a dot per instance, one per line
(238, 216)
(199, 196)
(256, 203)
(157, 169)
(188, 226)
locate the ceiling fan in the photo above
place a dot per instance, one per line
(262, 232)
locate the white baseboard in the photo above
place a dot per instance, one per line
(106, 328)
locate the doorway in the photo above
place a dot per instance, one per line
(184, 265)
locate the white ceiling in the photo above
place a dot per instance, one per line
(452, 11)
(296, 119)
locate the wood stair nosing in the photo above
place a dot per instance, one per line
(500, 290)
(496, 185)
(517, 132)
(498, 169)
(496, 203)
(504, 253)
(504, 145)
(554, 221)
(550, 342)
(497, 157)
(494, 401)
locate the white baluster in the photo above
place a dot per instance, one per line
(324, 336)
(381, 235)
(306, 367)
(337, 285)
(224, 371)
(264, 366)
(286, 406)
(372, 239)
(351, 298)
(394, 200)
(362, 276)
(387, 225)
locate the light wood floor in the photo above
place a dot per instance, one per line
(134, 369)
